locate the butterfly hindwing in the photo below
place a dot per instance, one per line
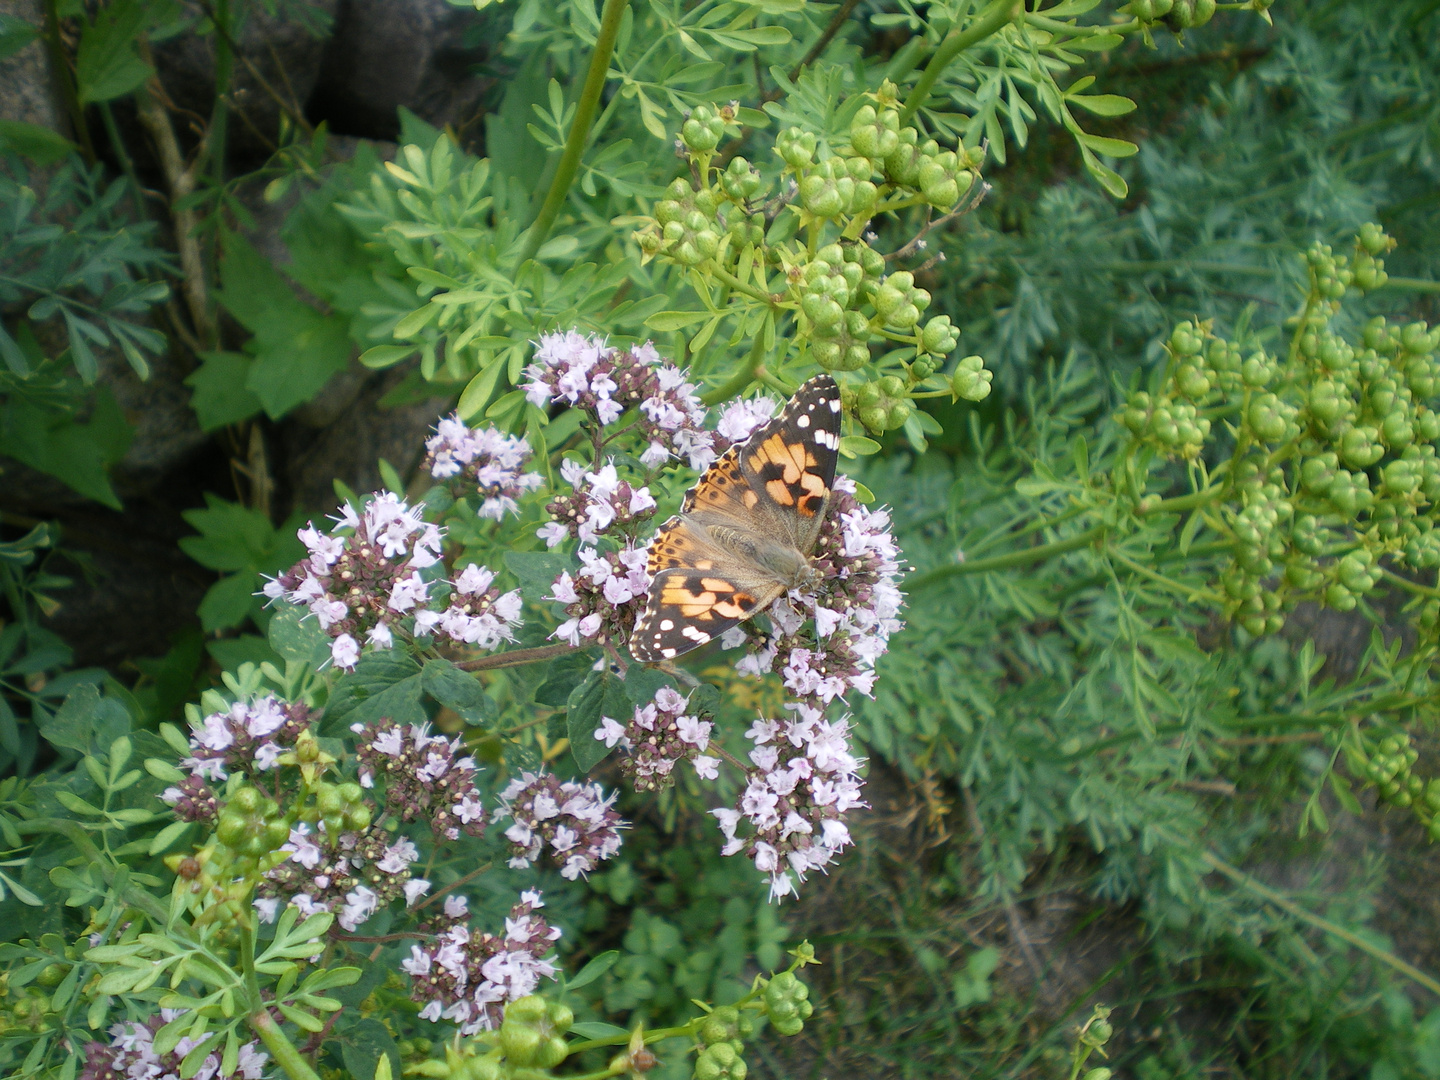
(690, 607)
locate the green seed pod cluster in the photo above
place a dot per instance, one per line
(1335, 463)
(251, 825)
(1188, 14)
(721, 221)
(688, 228)
(339, 807)
(722, 1038)
(1387, 764)
(971, 380)
(787, 1003)
(703, 129)
(1172, 426)
(720, 1062)
(882, 405)
(533, 1032)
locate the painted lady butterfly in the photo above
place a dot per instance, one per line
(745, 532)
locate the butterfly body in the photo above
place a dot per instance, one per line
(745, 531)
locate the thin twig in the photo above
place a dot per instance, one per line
(514, 658)
(454, 885)
(298, 119)
(181, 180)
(836, 22)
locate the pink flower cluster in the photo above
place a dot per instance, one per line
(468, 977)
(366, 584)
(426, 777)
(855, 609)
(573, 820)
(479, 613)
(130, 1055)
(600, 500)
(585, 373)
(803, 779)
(484, 457)
(360, 585)
(247, 737)
(354, 874)
(603, 598)
(657, 736)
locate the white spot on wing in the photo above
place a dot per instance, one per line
(668, 624)
(699, 636)
(803, 422)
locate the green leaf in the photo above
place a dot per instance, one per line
(593, 970)
(537, 571)
(666, 321)
(384, 683)
(39, 144)
(78, 454)
(363, 1044)
(106, 64)
(15, 34)
(297, 637)
(479, 390)
(1103, 104)
(1109, 147)
(296, 349)
(858, 446)
(458, 690)
(602, 694)
(70, 727)
(383, 356)
(562, 676)
(221, 390)
(167, 836)
(226, 604)
(592, 1029)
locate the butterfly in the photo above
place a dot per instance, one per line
(745, 531)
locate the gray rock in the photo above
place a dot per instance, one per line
(389, 53)
(27, 92)
(284, 48)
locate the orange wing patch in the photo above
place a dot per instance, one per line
(674, 547)
(789, 473)
(705, 599)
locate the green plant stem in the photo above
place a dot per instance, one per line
(280, 1047)
(735, 283)
(997, 14)
(1024, 557)
(224, 70)
(127, 164)
(1408, 585)
(579, 129)
(1412, 284)
(247, 962)
(741, 379)
(1319, 922)
(60, 69)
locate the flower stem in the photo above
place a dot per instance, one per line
(1024, 557)
(580, 129)
(742, 379)
(997, 14)
(280, 1047)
